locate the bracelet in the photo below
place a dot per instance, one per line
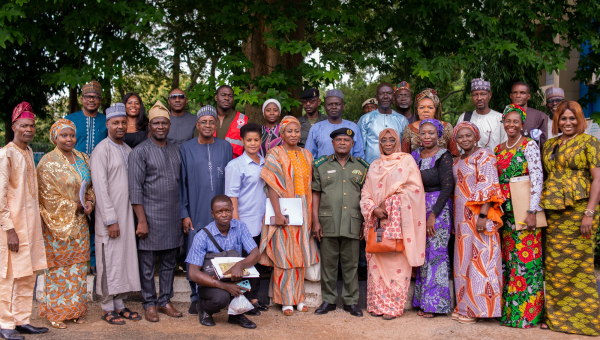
(589, 212)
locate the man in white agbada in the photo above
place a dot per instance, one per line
(116, 251)
(487, 120)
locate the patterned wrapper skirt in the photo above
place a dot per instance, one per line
(571, 295)
(523, 291)
(387, 283)
(432, 286)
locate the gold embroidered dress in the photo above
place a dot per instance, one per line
(66, 235)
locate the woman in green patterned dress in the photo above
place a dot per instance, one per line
(523, 291)
(570, 198)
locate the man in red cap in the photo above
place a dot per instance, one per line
(21, 229)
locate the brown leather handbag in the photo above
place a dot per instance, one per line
(376, 243)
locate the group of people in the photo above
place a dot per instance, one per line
(399, 190)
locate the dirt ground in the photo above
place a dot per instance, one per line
(273, 325)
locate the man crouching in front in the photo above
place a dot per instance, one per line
(227, 235)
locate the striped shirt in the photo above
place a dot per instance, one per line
(154, 173)
(237, 238)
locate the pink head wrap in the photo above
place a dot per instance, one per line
(23, 111)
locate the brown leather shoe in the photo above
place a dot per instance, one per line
(170, 310)
(150, 314)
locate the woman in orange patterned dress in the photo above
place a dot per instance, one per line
(289, 249)
(477, 217)
(60, 175)
(393, 188)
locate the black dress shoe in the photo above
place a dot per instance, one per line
(242, 321)
(325, 308)
(11, 334)
(29, 329)
(193, 308)
(205, 318)
(253, 312)
(353, 310)
(260, 306)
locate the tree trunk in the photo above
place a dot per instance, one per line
(73, 102)
(8, 132)
(176, 67)
(265, 59)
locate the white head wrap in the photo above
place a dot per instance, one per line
(269, 101)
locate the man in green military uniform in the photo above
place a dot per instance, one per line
(337, 220)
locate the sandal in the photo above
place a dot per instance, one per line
(429, 315)
(544, 325)
(375, 315)
(467, 320)
(455, 316)
(79, 320)
(111, 316)
(420, 313)
(287, 310)
(137, 317)
(388, 317)
(302, 307)
(58, 324)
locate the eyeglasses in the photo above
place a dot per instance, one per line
(554, 101)
(310, 101)
(385, 141)
(177, 96)
(91, 97)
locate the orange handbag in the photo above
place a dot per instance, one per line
(376, 243)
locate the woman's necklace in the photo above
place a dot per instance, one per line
(512, 146)
(564, 141)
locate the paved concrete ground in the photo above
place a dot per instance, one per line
(305, 326)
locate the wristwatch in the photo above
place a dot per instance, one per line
(589, 213)
(531, 212)
(482, 215)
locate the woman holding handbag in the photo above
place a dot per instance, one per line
(477, 218)
(523, 292)
(432, 286)
(393, 205)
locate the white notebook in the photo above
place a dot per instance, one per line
(289, 206)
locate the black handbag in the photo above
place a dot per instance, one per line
(207, 266)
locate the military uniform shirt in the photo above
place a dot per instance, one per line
(339, 208)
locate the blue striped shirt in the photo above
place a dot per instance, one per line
(237, 238)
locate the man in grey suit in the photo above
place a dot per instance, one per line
(154, 171)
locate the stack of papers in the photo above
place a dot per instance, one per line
(223, 264)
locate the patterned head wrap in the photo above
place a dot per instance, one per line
(57, 127)
(207, 110)
(92, 87)
(431, 94)
(438, 125)
(552, 92)
(287, 120)
(269, 101)
(514, 108)
(479, 84)
(468, 125)
(23, 111)
(402, 86)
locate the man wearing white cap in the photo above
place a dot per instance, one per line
(369, 105)
(554, 95)
(154, 171)
(318, 142)
(117, 261)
